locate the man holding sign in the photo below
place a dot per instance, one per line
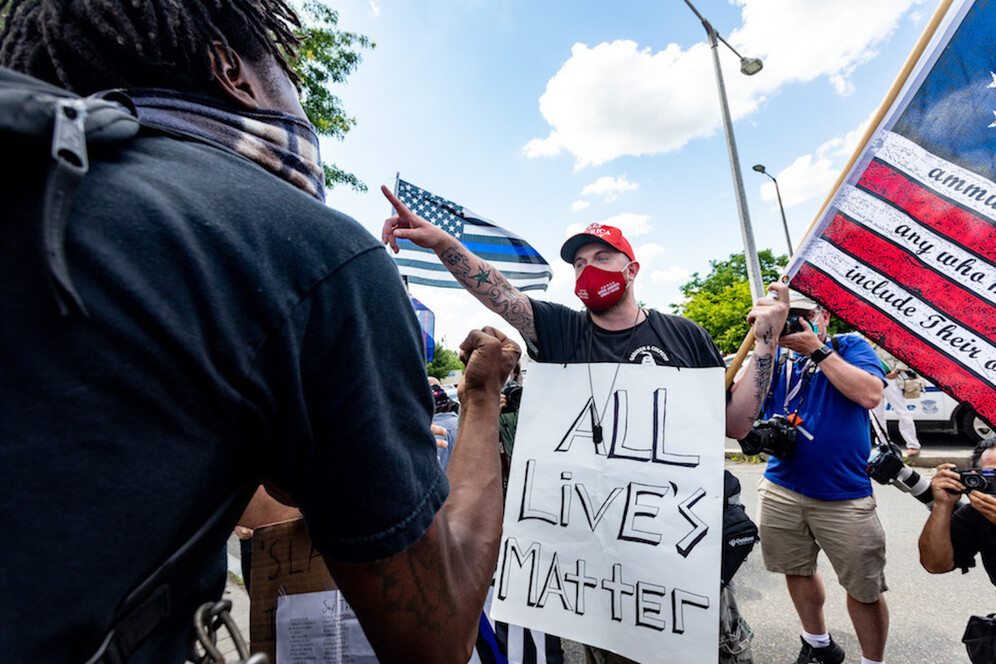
(613, 328)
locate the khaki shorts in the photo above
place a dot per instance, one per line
(795, 527)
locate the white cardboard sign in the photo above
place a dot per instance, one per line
(617, 544)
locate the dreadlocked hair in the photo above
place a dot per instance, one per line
(90, 45)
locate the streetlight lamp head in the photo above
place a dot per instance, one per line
(750, 66)
(759, 168)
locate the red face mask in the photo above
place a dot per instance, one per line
(600, 289)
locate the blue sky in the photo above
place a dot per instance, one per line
(548, 115)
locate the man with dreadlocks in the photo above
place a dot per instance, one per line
(182, 319)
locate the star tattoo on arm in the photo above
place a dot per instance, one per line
(482, 277)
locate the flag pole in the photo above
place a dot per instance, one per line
(890, 98)
(397, 178)
(738, 359)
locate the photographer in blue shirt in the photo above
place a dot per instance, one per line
(816, 495)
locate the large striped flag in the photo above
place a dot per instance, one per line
(906, 248)
(507, 252)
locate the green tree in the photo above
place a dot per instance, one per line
(328, 56)
(443, 362)
(719, 302)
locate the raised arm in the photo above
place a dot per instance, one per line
(424, 604)
(479, 277)
(768, 318)
(936, 550)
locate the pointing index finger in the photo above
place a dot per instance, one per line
(395, 203)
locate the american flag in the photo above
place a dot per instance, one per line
(906, 249)
(507, 252)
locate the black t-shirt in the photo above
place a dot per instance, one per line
(238, 329)
(972, 533)
(569, 336)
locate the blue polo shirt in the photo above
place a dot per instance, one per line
(832, 465)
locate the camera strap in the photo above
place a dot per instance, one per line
(807, 368)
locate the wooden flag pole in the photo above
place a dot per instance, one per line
(745, 347)
(890, 98)
(739, 358)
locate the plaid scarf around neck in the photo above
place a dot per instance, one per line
(279, 142)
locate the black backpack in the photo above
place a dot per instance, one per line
(739, 532)
(980, 639)
(40, 118)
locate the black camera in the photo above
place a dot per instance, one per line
(885, 466)
(795, 323)
(513, 397)
(775, 436)
(977, 479)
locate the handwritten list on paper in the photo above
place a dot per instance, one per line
(320, 628)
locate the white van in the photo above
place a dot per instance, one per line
(934, 410)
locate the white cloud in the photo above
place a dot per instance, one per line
(574, 229)
(805, 178)
(814, 174)
(579, 205)
(609, 187)
(374, 8)
(673, 274)
(631, 224)
(616, 98)
(646, 254)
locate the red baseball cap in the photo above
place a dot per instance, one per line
(608, 235)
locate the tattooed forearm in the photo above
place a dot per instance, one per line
(762, 378)
(767, 337)
(492, 288)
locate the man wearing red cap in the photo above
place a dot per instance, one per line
(614, 328)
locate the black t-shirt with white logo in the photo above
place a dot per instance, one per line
(569, 336)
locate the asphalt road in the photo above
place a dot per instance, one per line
(927, 612)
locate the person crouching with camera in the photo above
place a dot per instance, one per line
(954, 533)
(815, 493)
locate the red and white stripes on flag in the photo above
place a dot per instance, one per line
(906, 250)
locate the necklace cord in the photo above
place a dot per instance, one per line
(596, 417)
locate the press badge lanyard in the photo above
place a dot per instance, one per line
(808, 368)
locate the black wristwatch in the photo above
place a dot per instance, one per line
(820, 354)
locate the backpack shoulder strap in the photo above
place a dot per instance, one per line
(154, 600)
(36, 115)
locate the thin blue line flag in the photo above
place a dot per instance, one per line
(426, 321)
(507, 252)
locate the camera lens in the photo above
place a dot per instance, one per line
(972, 482)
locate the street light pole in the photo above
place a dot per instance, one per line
(760, 169)
(748, 66)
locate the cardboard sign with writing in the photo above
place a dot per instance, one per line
(613, 519)
(283, 563)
